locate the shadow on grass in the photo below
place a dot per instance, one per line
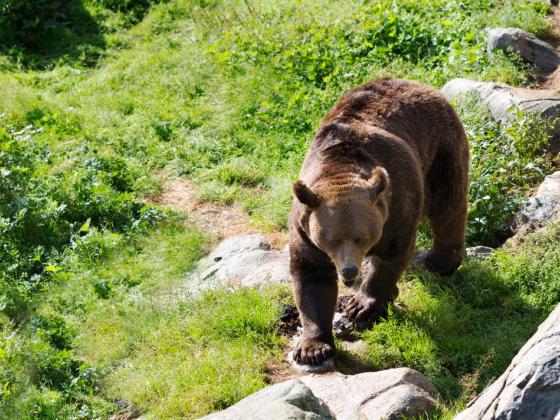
(39, 34)
(461, 331)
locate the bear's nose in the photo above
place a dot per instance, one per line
(350, 273)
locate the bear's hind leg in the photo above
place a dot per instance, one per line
(448, 216)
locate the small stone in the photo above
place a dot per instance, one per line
(327, 365)
(342, 327)
(479, 252)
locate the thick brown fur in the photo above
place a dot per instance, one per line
(389, 154)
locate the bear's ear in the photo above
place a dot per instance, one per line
(305, 195)
(378, 181)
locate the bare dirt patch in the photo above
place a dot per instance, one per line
(215, 219)
(218, 220)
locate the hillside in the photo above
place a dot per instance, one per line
(134, 134)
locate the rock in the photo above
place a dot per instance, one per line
(544, 205)
(479, 252)
(529, 47)
(327, 365)
(530, 386)
(342, 327)
(389, 394)
(286, 400)
(501, 98)
(240, 261)
(502, 101)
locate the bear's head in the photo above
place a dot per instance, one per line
(345, 217)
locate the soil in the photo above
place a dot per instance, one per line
(289, 321)
(215, 219)
(218, 220)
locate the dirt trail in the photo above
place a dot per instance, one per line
(217, 220)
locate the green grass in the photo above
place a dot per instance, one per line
(463, 331)
(202, 355)
(103, 96)
(229, 95)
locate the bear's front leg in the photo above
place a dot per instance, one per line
(378, 289)
(315, 290)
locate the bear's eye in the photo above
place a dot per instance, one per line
(359, 241)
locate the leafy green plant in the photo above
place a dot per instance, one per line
(506, 160)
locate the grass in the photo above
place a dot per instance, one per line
(103, 96)
(163, 356)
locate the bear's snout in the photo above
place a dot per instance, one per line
(349, 275)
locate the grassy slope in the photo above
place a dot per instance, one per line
(229, 95)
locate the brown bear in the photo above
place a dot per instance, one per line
(390, 153)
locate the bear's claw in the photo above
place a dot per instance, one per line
(364, 310)
(310, 351)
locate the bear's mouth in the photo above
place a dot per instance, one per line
(351, 283)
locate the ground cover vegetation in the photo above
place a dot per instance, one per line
(99, 98)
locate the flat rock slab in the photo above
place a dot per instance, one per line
(389, 394)
(240, 261)
(526, 45)
(530, 387)
(503, 100)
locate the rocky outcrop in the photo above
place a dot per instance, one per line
(544, 205)
(389, 394)
(526, 45)
(240, 261)
(503, 101)
(530, 387)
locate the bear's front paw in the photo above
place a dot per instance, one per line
(364, 310)
(310, 351)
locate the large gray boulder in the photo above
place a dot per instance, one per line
(240, 261)
(389, 394)
(530, 387)
(529, 47)
(503, 101)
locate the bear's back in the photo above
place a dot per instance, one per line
(413, 112)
